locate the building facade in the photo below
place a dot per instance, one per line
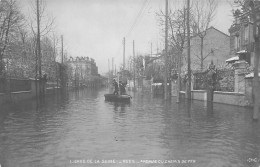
(82, 71)
(242, 44)
(215, 48)
(241, 39)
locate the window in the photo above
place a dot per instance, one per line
(246, 34)
(236, 42)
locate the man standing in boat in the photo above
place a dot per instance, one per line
(115, 84)
(122, 88)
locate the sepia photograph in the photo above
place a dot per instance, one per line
(129, 83)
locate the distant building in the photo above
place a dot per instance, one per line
(82, 70)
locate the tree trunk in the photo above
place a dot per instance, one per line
(179, 77)
(201, 53)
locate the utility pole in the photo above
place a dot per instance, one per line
(39, 48)
(109, 78)
(112, 66)
(108, 66)
(189, 61)
(123, 76)
(151, 49)
(179, 78)
(166, 51)
(62, 57)
(124, 54)
(62, 67)
(54, 55)
(134, 61)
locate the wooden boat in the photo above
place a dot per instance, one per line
(117, 98)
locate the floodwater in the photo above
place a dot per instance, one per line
(81, 129)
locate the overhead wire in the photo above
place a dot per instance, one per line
(137, 18)
(139, 15)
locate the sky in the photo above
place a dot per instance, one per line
(96, 28)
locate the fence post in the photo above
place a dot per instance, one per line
(211, 78)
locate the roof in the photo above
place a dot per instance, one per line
(251, 75)
(236, 58)
(232, 59)
(219, 31)
(214, 29)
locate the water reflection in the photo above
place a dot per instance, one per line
(209, 108)
(81, 124)
(120, 106)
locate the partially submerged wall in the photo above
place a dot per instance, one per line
(231, 98)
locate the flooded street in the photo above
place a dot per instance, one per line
(81, 129)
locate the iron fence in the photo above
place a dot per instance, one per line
(224, 80)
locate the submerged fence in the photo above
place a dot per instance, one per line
(225, 80)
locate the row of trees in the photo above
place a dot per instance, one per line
(19, 55)
(202, 13)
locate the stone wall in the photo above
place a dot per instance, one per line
(231, 98)
(199, 95)
(249, 91)
(21, 95)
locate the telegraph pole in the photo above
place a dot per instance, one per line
(39, 48)
(166, 51)
(151, 49)
(109, 78)
(62, 57)
(62, 67)
(124, 54)
(123, 70)
(108, 66)
(112, 66)
(189, 61)
(134, 61)
(179, 78)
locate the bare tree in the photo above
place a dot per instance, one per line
(41, 24)
(177, 39)
(10, 18)
(203, 12)
(177, 35)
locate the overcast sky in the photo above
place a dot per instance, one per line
(96, 28)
